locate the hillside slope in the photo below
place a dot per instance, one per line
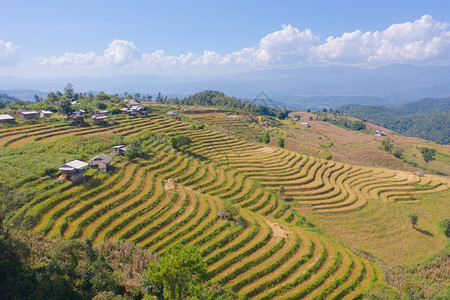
(428, 118)
(171, 196)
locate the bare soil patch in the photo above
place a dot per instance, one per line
(278, 231)
(266, 150)
(169, 184)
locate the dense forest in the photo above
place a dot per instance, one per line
(219, 99)
(428, 118)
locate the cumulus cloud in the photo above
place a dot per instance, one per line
(121, 52)
(287, 45)
(424, 41)
(9, 53)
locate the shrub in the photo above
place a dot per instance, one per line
(100, 105)
(398, 152)
(134, 150)
(180, 140)
(266, 137)
(445, 226)
(413, 219)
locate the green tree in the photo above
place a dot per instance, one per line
(68, 91)
(398, 152)
(178, 274)
(413, 219)
(134, 149)
(387, 144)
(282, 113)
(101, 105)
(428, 155)
(280, 141)
(52, 98)
(445, 226)
(231, 209)
(266, 137)
(180, 140)
(102, 96)
(64, 107)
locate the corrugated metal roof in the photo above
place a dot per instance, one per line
(32, 112)
(74, 164)
(102, 157)
(6, 117)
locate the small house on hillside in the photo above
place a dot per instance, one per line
(306, 125)
(419, 173)
(29, 115)
(6, 119)
(173, 115)
(74, 170)
(100, 117)
(129, 103)
(379, 133)
(46, 114)
(120, 149)
(128, 111)
(101, 162)
(140, 109)
(266, 123)
(221, 214)
(76, 117)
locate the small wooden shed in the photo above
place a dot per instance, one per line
(101, 162)
(73, 170)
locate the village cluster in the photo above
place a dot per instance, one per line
(100, 117)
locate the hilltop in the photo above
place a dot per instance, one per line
(275, 207)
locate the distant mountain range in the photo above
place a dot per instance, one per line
(427, 118)
(301, 88)
(24, 94)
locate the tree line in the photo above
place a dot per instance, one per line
(428, 118)
(337, 118)
(219, 99)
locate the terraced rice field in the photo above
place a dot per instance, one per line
(18, 136)
(324, 185)
(174, 198)
(230, 124)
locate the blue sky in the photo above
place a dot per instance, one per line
(98, 38)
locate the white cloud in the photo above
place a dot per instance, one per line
(288, 45)
(121, 52)
(9, 53)
(68, 59)
(424, 41)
